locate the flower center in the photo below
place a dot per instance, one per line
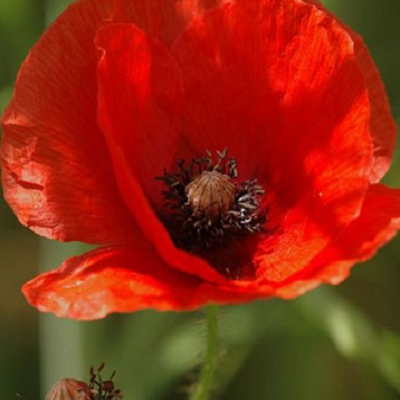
(211, 194)
(209, 209)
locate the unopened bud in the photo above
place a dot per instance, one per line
(69, 389)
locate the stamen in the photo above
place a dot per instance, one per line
(209, 208)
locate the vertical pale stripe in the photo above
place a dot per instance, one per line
(60, 340)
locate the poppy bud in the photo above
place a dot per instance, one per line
(69, 389)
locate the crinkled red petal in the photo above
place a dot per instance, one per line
(284, 108)
(57, 172)
(111, 280)
(383, 127)
(163, 19)
(378, 222)
(142, 143)
(129, 279)
(51, 142)
(140, 97)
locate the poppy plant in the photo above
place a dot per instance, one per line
(215, 151)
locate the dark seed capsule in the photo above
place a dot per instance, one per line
(211, 193)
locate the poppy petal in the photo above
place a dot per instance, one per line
(142, 105)
(110, 280)
(378, 222)
(124, 48)
(57, 172)
(52, 145)
(221, 54)
(309, 128)
(163, 19)
(383, 127)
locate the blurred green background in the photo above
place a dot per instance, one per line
(333, 343)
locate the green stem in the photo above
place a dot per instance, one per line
(204, 386)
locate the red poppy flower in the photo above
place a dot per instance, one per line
(116, 93)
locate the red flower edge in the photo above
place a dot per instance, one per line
(99, 110)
